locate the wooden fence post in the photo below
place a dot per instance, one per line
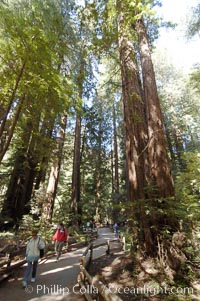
(124, 243)
(91, 253)
(108, 250)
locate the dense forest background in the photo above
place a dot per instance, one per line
(95, 123)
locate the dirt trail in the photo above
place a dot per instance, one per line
(56, 281)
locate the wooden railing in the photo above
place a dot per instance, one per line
(13, 259)
(84, 278)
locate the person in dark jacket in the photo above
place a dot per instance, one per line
(116, 230)
(60, 238)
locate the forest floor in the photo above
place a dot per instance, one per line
(143, 281)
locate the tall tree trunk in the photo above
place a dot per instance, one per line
(48, 206)
(12, 128)
(98, 180)
(116, 159)
(136, 135)
(12, 98)
(15, 201)
(170, 144)
(112, 171)
(41, 175)
(76, 177)
(75, 198)
(134, 118)
(160, 177)
(21, 184)
(160, 181)
(178, 144)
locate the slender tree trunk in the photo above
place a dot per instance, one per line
(76, 177)
(116, 159)
(41, 175)
(178, 143)
(98, 180)
(97, 194)
(159, 173)
(112, 171)
(170, 145)
(115, 199)
(75, 199)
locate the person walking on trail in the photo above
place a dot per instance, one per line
(60, 238)
(116, 230)
(35, 244)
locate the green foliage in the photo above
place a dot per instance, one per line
(29, 223)
(62, 210)
(188, 187)
(180, 105)
(195, 78)
(193, 26)
(31, 36)
(95, 166)
(34, 49)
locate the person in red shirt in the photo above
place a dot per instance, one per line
(60, 238)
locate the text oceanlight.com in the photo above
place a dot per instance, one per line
(56, 289)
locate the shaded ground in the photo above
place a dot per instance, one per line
(144, 281)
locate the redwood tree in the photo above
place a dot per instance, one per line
(136, 136)
(159, 176)
(48, 205)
